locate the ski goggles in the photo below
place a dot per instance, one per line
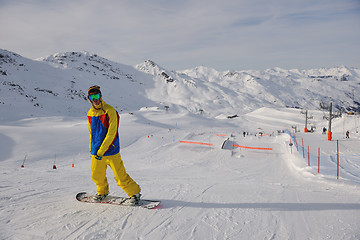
(93, 97)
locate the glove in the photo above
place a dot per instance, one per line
(98, 157)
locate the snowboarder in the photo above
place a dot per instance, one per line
(103, 123)
(347, 134)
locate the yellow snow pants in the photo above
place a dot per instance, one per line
(123, 180)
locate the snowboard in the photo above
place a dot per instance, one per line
(144, 203)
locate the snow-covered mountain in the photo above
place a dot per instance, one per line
(33, 87)
(216, 178)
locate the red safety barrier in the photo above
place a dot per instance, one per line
(329, 136)
(257, 148)
(200, 143)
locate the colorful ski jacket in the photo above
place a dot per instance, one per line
(103, 128)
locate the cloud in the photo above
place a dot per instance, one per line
(230, 34)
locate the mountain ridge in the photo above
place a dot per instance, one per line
(35, 87)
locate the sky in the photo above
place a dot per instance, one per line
(184, 34)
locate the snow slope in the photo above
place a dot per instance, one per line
(206, 192)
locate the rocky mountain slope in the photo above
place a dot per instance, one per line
(33, 87)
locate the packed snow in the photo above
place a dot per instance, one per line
(264, 189)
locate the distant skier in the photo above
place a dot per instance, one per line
(324, 130)
(103, 122)
(347, 134)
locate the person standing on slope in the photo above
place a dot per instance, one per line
(103, 122)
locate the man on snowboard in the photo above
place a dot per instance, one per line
(105, 148)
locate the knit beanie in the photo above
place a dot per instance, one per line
(94, 89)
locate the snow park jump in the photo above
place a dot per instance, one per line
(256, 148)
(199, 143)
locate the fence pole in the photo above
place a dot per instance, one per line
(337, 153)
(54, 166)
(23, 164)
(296, 142)
(319, 160)
(303, 147)
(308, 155)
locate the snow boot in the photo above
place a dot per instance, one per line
(99, 198)
(133, 200)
